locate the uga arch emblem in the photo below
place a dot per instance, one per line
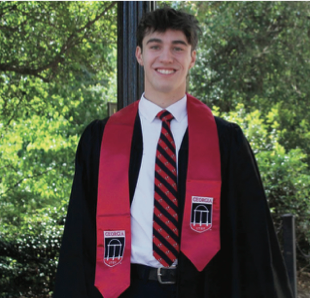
(201, 214)
(114, 244)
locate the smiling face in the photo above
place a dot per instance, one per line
(166, 58)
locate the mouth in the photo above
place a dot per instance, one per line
(165, 71)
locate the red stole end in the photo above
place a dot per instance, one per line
(113, 208)
(200, 238)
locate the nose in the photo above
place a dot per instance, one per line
(166, 56)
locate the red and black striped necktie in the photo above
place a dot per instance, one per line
(165, 224)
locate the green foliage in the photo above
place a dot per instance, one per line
(29, 255)
(57, 73)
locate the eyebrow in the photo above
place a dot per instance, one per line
(173, 42)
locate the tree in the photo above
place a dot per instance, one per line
(257, 53)
(57, 72)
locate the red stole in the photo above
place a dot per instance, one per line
(200, 238)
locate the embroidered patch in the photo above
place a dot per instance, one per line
(201, 214)
(114, 244)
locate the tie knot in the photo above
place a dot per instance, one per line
(164, 115)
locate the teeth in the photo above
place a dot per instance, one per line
(165, 71)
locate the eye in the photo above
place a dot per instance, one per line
(178, 49)
(155, 47)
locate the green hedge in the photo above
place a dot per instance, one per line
(29, 257)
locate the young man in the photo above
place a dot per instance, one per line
(167, 200)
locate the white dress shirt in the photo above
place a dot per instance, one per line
(143, 201)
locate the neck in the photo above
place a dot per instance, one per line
(164, 100)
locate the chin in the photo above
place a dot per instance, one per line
(165, 88)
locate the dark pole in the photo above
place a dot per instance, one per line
(289, 247)
(130, 77)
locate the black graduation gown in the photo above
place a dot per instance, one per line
(249, 264)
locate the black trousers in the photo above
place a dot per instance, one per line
(141, 287)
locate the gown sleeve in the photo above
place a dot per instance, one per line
(76, 269)
(258, 269)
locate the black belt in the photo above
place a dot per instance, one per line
(162, 274)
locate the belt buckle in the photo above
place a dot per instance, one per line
(159, 276)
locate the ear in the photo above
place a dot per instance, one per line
(193, 59)
(139, 55)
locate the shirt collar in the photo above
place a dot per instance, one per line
(149, 110)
